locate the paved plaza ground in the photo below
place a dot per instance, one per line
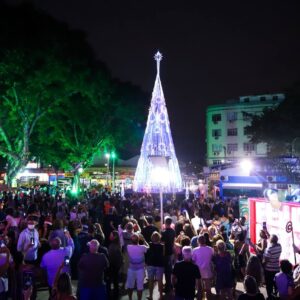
(44, 294)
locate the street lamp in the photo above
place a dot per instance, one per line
(107, 155)
(246, 165)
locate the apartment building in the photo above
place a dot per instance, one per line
(226, 140)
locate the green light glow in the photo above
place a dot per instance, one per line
(74, 190)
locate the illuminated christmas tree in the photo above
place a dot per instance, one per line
(157, 166)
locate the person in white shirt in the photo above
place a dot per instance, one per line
(136, 270)
(202, 257)
(197, 222)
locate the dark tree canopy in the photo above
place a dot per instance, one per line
(57, 102)
(279, 127)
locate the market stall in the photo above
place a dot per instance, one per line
(276, 215)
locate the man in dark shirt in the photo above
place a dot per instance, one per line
(91, 269)
(83, 237)
(186, 276)
(148, 229)
(168, 237)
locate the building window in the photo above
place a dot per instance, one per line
(217, 162)
(216, 148)
(247, 99)
(275, 98)
(232, 116)
(247, 116)
(249, 147)
(262, 98)
(232, 148)
(216, 133)
(216, 118)
(232, 132)
(245, 131)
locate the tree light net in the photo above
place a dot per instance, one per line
(157, 142)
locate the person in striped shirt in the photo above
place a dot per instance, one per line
(271, 264)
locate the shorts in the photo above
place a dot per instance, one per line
(135, 276)
(155, 272)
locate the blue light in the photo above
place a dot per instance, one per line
(157, 142)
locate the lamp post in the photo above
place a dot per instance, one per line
(107, 155)
(113, 156)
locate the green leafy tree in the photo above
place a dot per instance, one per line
(28, 93)
(38, 54)
(58, 103)
(94, 119)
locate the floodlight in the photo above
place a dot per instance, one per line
(246, 165)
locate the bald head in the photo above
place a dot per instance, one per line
(94, 246)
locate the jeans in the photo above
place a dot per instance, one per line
(93, 293)
(270, 283)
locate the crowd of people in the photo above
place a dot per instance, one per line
(105, 243)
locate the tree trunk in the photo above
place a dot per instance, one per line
(13, 167)
(8, 181)
(76, 183)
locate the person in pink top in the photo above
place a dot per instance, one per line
(202, 257)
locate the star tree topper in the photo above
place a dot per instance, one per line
(158, 57)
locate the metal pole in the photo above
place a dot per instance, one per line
(293, 247)
(107, 171)
(113, 175)
(161, 206)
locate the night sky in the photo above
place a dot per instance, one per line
(213, 51)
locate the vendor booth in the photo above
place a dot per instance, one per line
(276, 214)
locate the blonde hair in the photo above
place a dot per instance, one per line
(221, 245)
